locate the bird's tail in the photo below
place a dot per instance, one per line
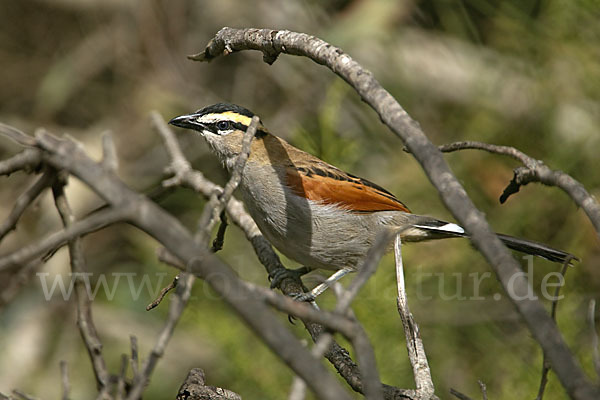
(436, 229)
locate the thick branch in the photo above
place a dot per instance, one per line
(544, 330)
(337, 355)
(27, 160)
(210, 215)
(147, 216)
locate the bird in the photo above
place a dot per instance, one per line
(313, 212)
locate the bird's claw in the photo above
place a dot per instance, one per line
(283, 273)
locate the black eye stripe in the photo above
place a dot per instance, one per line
(214, 127)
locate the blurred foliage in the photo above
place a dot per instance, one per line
(518, 73)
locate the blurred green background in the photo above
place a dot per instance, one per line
(521, 73)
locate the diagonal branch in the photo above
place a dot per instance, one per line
(543, 329)
(85, 322)
(28, 159)
(337, 355)
(35, 250)
(125, 204)
(24, 200)
(209, 217)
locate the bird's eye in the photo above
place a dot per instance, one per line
(223, 125)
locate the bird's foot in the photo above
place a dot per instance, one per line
(283, 273)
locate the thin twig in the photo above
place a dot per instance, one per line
(168, 258)
(217, 244)
(594, 334)
(64, 375)
(135, 362)
(536, 171)
(545, 363)
(176, 307)
(179, 166)
(459, 395)
(33, 251)
(298, 389)
(364, 350)
(492, 148)
(17, 281)
(110, 161)
(17, 135)
(163, 293)
(120, 391)
(24, 200)
(414, 344)
(23, 395)
(218, 203)
(483, 388)
(85, 321)
(332, 320)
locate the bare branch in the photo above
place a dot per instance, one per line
(194, 388)
(110, 161)
(543, 329)
(210, 215)
(24, 200)
(17, 135)
(163, 293)
(217, 244)
(23, 395)
(545, 364)
(217, 204)
(332, 320)
(492, 148)
(179, 166)
(28, 159)
(176, 307)
(64, 374)
(483, 388)
(94, 222)
(17, 281)
(459, 395)
(120, 390)
(337, 355)
(85, 322)
(536, 171)
(135, 363)
(414, 344)
(594, 334)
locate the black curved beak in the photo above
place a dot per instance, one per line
(187, 121)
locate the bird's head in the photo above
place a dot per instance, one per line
(223, 126)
